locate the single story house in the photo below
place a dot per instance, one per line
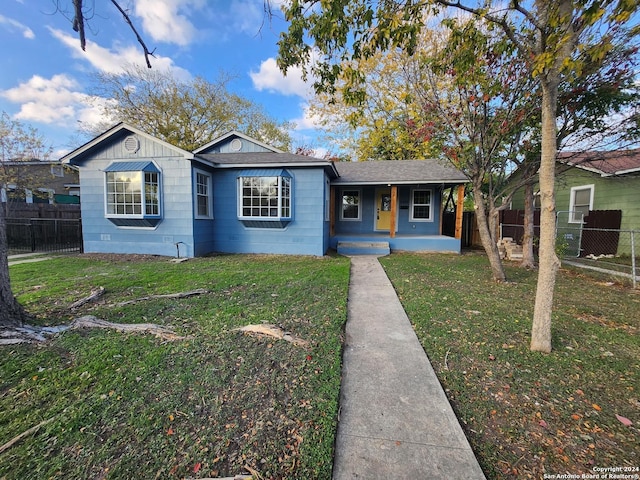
(597, 193)
(590, 181)
(238, 195)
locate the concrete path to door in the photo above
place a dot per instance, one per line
(395, 421)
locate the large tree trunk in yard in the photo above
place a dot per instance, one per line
(528, 259)
(549, 263)
(11, 312)
(487, 237)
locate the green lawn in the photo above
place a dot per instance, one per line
(525, 413)
(130, 405)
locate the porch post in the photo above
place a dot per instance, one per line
(394, 207)
(332, 211)
(459, 210)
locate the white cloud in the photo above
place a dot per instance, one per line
(247, 16)
(308, 121)
(54, 100)
(270, 78)
(165, 20)
(115, 60)
(14, 24)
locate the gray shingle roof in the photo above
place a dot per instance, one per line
(398, 171)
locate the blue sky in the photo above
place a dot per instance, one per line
(45, 77)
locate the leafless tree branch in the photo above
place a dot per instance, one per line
(147, 53)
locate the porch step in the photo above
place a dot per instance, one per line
(364, 248)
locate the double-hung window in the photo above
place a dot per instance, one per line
(421, 205)
(580, 203)
(265, 201)
(133, 194)
(203, 195)
(350, 209)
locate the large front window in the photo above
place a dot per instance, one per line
(132, 196)
(265, 198)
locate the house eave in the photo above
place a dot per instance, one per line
(237, 134)
(402, 182)
(80, 152)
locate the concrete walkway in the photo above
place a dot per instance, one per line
(395, 420)
(29, 258)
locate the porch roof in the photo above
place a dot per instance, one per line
(398, 172)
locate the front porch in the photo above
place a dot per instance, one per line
(411, 243)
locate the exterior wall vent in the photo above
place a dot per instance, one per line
(131, 144)
(236, 144)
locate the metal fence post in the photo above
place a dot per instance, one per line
(633, 259)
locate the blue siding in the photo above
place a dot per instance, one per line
(246, 146)
(366, 224)
(102, 236)
(306, 234)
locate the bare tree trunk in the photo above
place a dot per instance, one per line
(11, 312)
(549, 263)
(528, 259)
(487, 236)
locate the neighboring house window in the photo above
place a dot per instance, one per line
(420, 205)
(43, 195)
(350, 209)
(580, 202)
(133, 194)
(204, 196)
(265, 198)
(57, 170)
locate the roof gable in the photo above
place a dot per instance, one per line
(605, 163)
(120, 132)
(235, 142)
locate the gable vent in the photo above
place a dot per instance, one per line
(131, 144)
(236, 144)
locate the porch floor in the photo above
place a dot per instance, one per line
(412, 243)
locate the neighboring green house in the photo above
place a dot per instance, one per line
(588, 181)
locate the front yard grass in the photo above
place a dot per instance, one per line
(526, 413)
(218, 403)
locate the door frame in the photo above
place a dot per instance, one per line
(378, 191)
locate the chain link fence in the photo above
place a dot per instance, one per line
(609, 251)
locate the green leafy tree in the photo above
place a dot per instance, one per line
(558, 37)
(17, 143)
(187, 114)
(461, 96)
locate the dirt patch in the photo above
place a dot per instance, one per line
(120, 257)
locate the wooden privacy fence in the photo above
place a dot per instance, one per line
(43, 210)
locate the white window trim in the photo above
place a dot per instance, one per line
(280, 198)
(142, 215)
(359, 218)
(209, 194)
(411, 217)
(572, 199)
(50, 193)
